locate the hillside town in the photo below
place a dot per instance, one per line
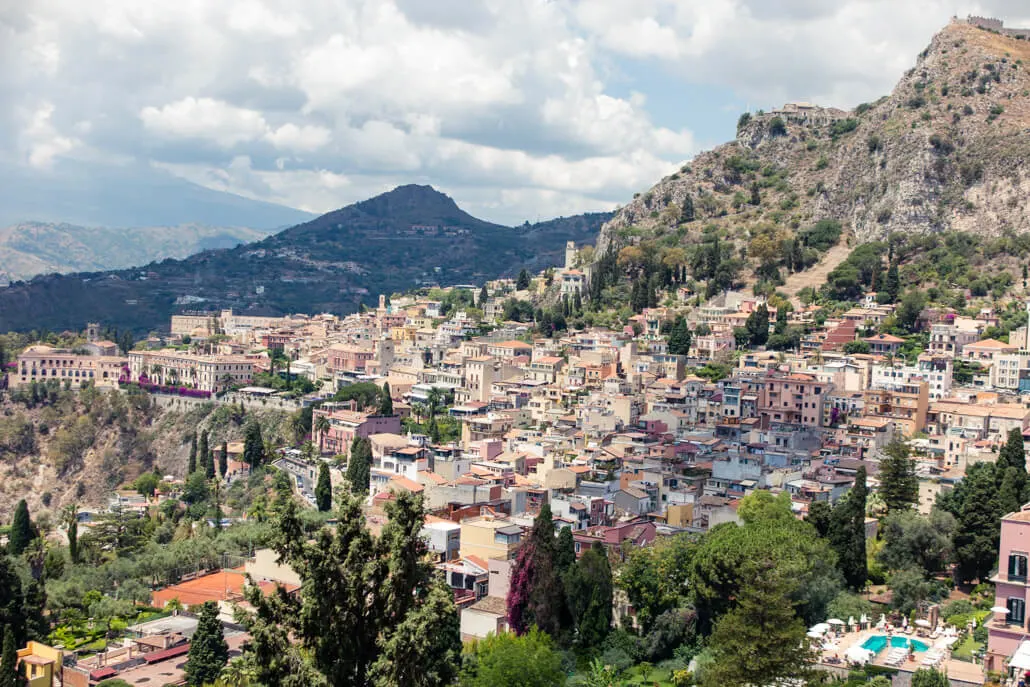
(627, 437)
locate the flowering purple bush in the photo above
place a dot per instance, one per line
(173, 390)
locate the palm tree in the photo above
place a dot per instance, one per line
(419, 410)
(238, 673)
(321, 428)
(434, 401)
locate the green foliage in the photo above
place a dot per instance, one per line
(913, 541)
(899, 485)
(761, 641)
(847, 533)
(822, 235)
(509, 660)
(371, 610)
(359, 465)
(589, 588)
(929, 677)
(680, 337)
(253, 445)
(208, 649)
(22, 530)
(366, 395)
(975, 504)
(323, 489)
(146, 484)
(857, 347)
(777, 127)
(385, 400)
(909, 589)
(522, 283)
(10, 675)
(655, 577)
(841, 127)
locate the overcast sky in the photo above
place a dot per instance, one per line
(519, 109)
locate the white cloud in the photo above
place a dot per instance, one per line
(516, 107)
(205, 118)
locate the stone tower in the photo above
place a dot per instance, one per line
(570, 255)
(92, 332)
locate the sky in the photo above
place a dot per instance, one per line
(519, 109)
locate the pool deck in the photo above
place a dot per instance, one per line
(956, 670)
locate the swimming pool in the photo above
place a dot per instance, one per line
(876, 643)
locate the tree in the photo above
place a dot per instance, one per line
(324, 489)
(191, 466)
(1013, 455)
(322, 426)
(22, 530)
(72, 522)
(757, 325)
(857, 347)
(898, 482)
(522, 283)
(510, 660)
(847, 533)
(483, 296)
(976, 537)
(146, 484)
(761, 641)
(359, 465)
(911, 307)
(204, 457)
(892, 285)
(819, 517)
(589, 588)
(370, 611)
(208, 649)
(10, 676)
(536, 594)
(655, 578)
(929, 677)
(385, 400)
(223, 460)
(13, 609)
(909, 588)
(253, 445)
(914, 541)
(680, 337)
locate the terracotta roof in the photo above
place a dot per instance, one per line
(406, 484)
(990, 344)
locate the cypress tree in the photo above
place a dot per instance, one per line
(223, 460)
(10, 676)
(73, 540)
(589, 588)
(522, 283)
(253, 445)
(385, 400)
(1013, 455)
(204, 454)
(21, 530)
(208, 649)
(483, 296)
(324, 489)
(191, 467)
(847, 533)
(892, 285)
(359, 465)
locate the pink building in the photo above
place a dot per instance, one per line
(345, 424)
(794, 399)
(348, 358)
(1008, 630)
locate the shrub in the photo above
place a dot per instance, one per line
(874, 143)
(916, 101)
(777, 127)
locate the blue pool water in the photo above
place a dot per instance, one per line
(876, 643)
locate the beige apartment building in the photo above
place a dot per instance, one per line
(41, 363)
(205, 372)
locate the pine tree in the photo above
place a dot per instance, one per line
(324, 488)
(359, 465)
(208, 649)
(761, 641)
(847, 533)
(223, 460)
(898, 482)
(253, 445)
(21, 530)
(191, 466)
(385, 400)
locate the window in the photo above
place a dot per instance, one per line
(1017, 610)
(1017, 566)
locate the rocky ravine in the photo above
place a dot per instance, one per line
(946, 150)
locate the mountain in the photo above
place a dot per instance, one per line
(410, 236)
(128, 196)
(947, 150)
(31, 248)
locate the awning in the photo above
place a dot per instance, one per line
(1021, 659)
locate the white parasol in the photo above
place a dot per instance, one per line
(835, 621)
(1000, 609)
(922, 622)
(857, 654)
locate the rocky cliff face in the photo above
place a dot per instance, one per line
(946, 150)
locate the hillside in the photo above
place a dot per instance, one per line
(410, 236)
(32, 248)
(945, 151)
(75, 447)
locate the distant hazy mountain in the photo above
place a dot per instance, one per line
(31, 248)
(410, 236)
(128, 196)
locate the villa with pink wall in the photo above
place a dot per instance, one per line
(1012, 591)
